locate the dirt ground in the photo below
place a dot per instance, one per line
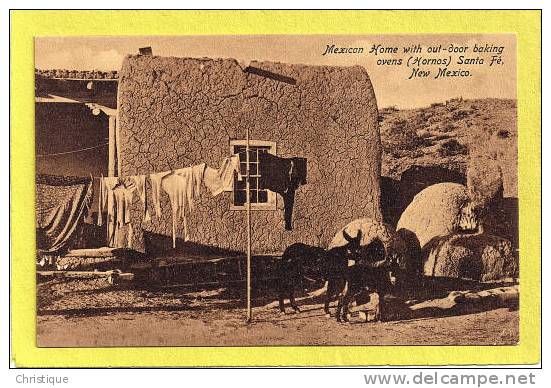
(89, 313)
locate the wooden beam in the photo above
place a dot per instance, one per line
(112, 153)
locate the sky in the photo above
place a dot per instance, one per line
(391, 83)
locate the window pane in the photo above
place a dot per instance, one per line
(254, 168)
(239, 184)
(258, 194)
(260, 183)
(253, 154)
(239, 197)
(262, 196)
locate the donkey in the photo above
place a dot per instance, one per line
(330, 265)
(374, 271)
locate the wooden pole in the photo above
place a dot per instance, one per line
(112, 153)
(248, 203)
(118, 146)
(112, 167)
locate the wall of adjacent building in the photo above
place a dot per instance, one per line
(62, 128)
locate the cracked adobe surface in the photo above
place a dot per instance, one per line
(177, 112)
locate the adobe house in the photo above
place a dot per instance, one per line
(75, 115)
(74, 111)
(179, 112)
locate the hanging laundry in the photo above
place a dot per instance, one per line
(156, 179)
(94, 213)
(61, 204)
(139, 181)
(101, 202)
(183, 188)
(116, 197)
(283, 176)
(107, 184)
(106, 190)
(221, 180)
(123, 194)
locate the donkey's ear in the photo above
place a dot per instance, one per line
(346, 236)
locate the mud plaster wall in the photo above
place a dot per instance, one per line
(177, 112)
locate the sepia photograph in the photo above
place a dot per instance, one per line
(276, 190)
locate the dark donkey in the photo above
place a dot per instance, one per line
(329, 264)
(374, 271)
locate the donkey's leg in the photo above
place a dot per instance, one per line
(343, 296)
(346, 302)
(339, 307)
(381, 307)
(328, 296)
(281, 291)
(281, 302)
(292, 301)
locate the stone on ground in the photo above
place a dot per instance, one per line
(479, 257)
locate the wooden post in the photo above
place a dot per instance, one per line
(111, 167)
(112, 150)
(118, 146)
(248, 203)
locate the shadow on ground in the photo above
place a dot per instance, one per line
(77, 298)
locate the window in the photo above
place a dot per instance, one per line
(261, 198)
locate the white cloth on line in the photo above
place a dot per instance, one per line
(218, 181)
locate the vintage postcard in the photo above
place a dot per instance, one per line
(273, 191)
(378, 197)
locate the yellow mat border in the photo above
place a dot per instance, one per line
(25, 25)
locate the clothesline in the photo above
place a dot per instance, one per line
(182, 186)
(100, 177)
(74, 151)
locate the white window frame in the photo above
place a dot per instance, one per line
(272, 197)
